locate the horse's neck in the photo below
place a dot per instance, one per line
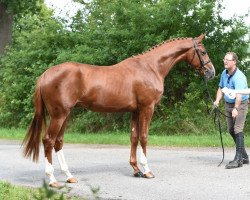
(166, 56)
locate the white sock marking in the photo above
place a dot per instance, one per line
(63, 164)
(144, 162)
(49, 170)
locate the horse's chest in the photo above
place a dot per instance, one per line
(149, 95)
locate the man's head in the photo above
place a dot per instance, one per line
(230, 60)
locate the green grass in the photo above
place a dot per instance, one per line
(121, 138)
(8, 191)
(13, 192)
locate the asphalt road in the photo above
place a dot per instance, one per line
(181, 173)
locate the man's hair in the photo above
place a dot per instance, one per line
(235, 57)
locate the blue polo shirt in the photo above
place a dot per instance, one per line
(236, 81)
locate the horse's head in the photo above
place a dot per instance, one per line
(200, 60)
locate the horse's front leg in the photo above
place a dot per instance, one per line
(134, 138)
(144, 122)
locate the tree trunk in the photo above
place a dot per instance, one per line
(6, 21)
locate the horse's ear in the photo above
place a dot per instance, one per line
(200, 38)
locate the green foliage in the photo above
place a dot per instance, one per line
(29, 56)
(9, 191)
(21, 7)
(46, 192)
(88, 121)
(105, 32)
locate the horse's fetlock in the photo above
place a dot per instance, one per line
(133, 163)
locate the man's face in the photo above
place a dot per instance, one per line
(229, 63)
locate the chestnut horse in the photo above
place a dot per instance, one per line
(134, 85)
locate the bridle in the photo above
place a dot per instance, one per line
(202, 63)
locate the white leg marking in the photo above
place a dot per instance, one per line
(49, 170)
(63, 164)
(144, 162)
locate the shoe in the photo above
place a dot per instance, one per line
(234, 164)
(238, 158)
(245, 159)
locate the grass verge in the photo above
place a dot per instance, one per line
(122, 138)
(13, 192)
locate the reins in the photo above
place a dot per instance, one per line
(217, 114)
(216, 110)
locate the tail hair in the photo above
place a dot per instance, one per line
(32, 140)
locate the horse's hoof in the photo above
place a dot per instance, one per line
(54, 185)
(72, 180)
(138, 174)
(149, 175)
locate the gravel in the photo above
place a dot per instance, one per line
(180, 173)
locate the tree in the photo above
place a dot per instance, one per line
(10, 10)
(6, 21)
(105, 32)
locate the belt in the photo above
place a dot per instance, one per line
(245, 101)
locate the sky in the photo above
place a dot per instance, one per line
(232, 7)
(238, 7)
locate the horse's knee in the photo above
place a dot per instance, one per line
(144, 140)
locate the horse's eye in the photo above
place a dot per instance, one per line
(203, 53)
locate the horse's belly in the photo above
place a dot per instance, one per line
(111, 108)
(108, 105)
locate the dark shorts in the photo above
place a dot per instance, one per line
(238, 125)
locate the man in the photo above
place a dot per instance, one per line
(233, 78)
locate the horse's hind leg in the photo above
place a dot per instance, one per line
(144, 122)
(60, 155)
(49, 142)
(134, 138)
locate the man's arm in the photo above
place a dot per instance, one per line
(219, 96)
(232, 93)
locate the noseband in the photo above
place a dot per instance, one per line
(202, 63)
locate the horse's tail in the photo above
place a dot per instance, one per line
(32, 139)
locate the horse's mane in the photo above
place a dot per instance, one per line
(160, 44)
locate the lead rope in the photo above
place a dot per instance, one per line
(217, 114)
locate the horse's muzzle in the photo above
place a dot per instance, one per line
(209, 73)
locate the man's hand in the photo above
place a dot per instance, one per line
(216, 104)
(234, 113)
